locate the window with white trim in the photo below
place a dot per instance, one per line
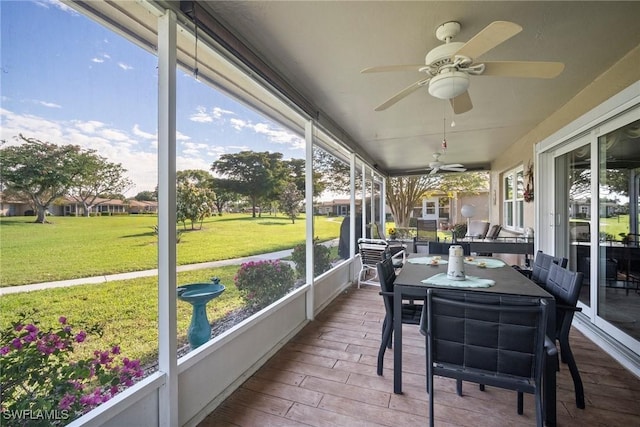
(513, 196)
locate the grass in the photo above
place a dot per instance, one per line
(79, 247)
(75, 247)
(615, 225)
(127, 310)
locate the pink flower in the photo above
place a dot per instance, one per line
(16, 343)
(66, 402)
(115, 349)
(80, 337)
(62, 320)
(4, 350)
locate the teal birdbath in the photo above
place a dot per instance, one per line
(198, 295)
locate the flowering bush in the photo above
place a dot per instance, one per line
(39, 383)
(393, 232)
(263, 282)
(321, 259)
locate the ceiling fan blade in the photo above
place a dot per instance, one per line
(403, 93)
(454, 169)
(386, 68)
(531, 69)
(491, 36)
(461, 103)
(434, 171)
(452, 165)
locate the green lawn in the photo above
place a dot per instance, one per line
(127, 310)
(75, 247)
(80, 247)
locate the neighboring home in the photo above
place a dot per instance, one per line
(13, 207)
(446, 209)
(142, 207)
(68, 206)
(335, 207)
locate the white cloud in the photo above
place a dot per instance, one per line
(181, 136)
(47, 104)
(57, 4)
(203, 116)
(116, 145)
(238, 124)
(124, 66)
(275, 134)
(142, 134)
(97, 60)
(218, 113)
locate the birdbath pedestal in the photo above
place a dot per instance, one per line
(198, 295)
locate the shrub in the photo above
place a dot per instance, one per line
(321, 259)
(263, 282)
(40, 385)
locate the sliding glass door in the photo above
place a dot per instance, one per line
(596, 222)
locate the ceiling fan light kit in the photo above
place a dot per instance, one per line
(449, 85)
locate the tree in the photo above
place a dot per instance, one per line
(198, 177)
(97, 178)
(333, 174)
(223, 193)
(297, 175)
(290, 201)
(256, 175)
(39, 171)
(193, 204)
(147, 196)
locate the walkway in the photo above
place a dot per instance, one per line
(143, 273)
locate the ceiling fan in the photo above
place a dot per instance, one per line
(437, 165)
(449, 65)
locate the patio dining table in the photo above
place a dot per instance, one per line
(486, 275)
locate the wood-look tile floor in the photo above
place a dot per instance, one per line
(326, 376)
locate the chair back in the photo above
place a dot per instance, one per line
(541, 265)
(442, 248)
(426, 230)
(386, 275)
(494, 231)
(565, 287)
(373, 251)
(488, 339)
(477, 229)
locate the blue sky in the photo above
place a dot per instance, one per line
(67, 80)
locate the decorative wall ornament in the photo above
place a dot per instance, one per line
(528, 190)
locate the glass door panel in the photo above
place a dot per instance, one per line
(619, 253)
(573, 212)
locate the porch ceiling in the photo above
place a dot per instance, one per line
(319, 47)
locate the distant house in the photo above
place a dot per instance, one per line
(142, 207)
(13, 207)
(335, 207)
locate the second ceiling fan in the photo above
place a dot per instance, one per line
(449, 65)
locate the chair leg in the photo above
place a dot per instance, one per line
(430, 391)
(573, 368)
(520, 403)
(459, 387)
(384, 342)
(539, 409)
